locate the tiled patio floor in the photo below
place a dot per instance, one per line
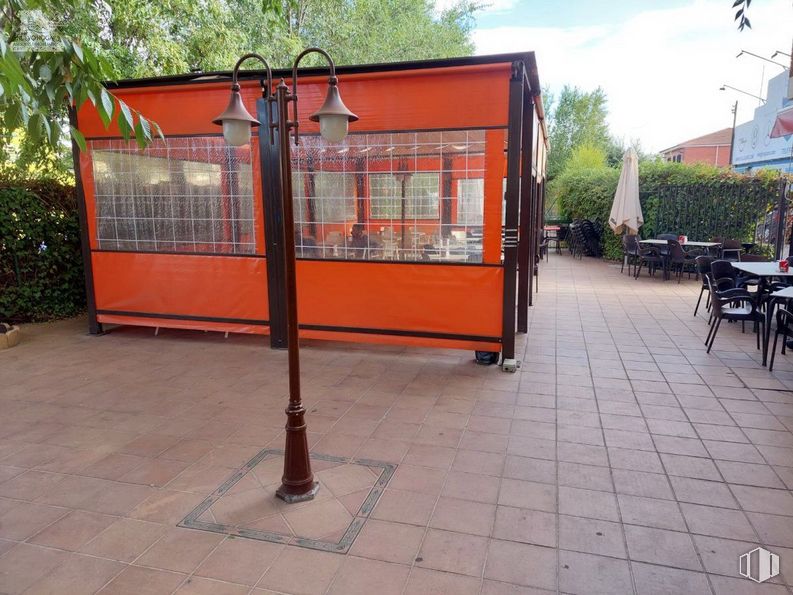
(621, 458)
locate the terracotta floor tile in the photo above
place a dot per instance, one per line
(154, 472)
(463, 516)
(29, 485)
(204, 586)
(166, 506)
(124, 540)
(317, 520)
(180, 550)
(660, 580)
(525, 525)
(73, 530)
(26, 519)
(424, 581)
(660, 546)
(239, 560)
(471, 486)
(522, 564)
(588, 503)
(453, 552)
(418, 479)
(135, 580)
(651, 512)
(301, 571)
(388, 541)
(359, 576)
(591, 536)
(585, 573)
(717, 522)
(527, 494)
(78, 574)
(346, 479)
(24, 564)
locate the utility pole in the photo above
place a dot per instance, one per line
(732, 136)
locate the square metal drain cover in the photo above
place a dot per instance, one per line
(245, 505)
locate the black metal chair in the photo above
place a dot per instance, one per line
(731, 250)
(630, 252)
(703, 270)
(784, 327)
(732, 304)
(726, 276)
(651, 257)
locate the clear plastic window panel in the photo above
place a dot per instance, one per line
(180, 195)
(407, 196)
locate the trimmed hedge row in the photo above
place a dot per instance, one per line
(41, 266)
(589, 193)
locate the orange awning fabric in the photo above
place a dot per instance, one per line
(784, 123)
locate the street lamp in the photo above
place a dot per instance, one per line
(725, 87)
(297, 483)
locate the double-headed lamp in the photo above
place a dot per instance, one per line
(333, 117)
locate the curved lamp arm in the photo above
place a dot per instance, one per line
(332, 81)
(243, 58)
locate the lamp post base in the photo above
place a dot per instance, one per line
(285, 494)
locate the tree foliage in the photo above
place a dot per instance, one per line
(86, 42)
(589, 193)
(41, 268)
(576, 118)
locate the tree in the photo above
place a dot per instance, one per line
(90, 41)
(575, 119)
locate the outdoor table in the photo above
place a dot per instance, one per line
(765, 270)
(689, 243)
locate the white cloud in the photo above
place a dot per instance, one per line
(661, 69)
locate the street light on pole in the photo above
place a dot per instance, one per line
(725, 87)
(297, 483)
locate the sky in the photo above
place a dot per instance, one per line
(661, 64)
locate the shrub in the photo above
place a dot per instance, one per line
(41, 268)
(589, 193)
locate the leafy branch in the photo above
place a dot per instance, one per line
(37, 87)
(740, 14)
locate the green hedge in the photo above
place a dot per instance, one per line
(589, 193)
(41, 267)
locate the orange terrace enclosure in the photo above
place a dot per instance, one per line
(420, 228)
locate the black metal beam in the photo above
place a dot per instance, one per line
(514, 127)
(526, 182)
(269, 164)
(94, 327)
(225, 75)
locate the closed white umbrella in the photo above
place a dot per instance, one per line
(626, 211)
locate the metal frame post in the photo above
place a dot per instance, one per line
(514, 127)
(94, 326)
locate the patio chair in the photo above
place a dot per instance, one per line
(731, 250)
(543, 245)
(652, 257)
(732, 304)
(677, 260)
(703, 270)
(726, 276)
(630, 252)
(784, 326)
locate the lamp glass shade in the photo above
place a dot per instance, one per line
(237, 132)
(333, 127)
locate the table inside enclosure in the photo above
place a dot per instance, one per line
(689, 243)
(765, 271)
